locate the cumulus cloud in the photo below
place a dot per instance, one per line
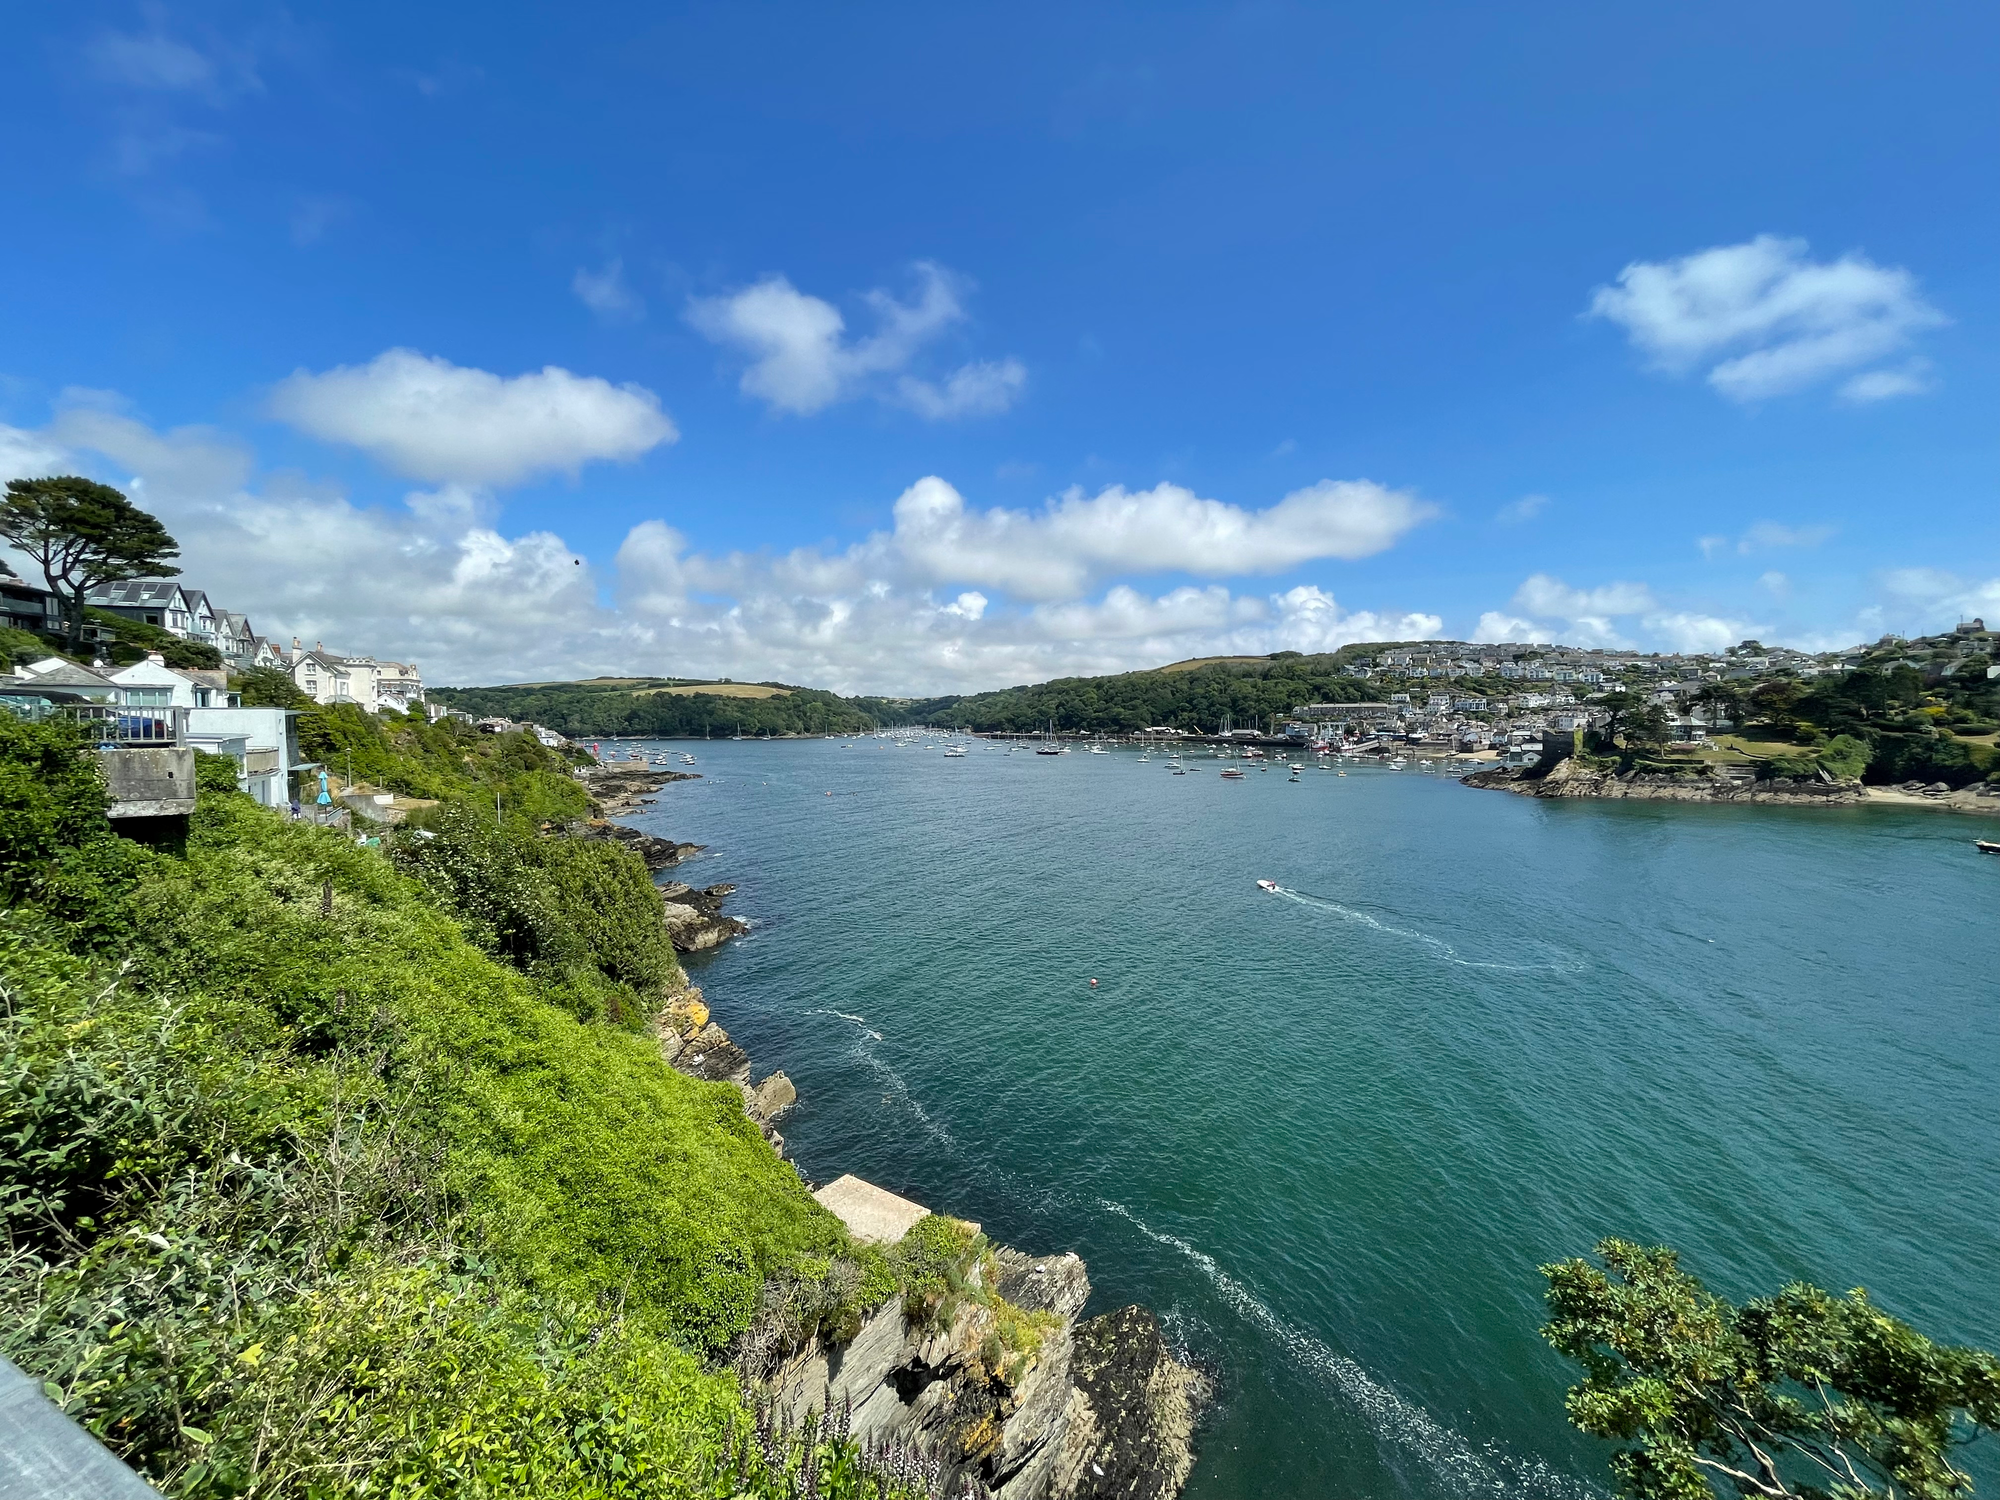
(800, 359)
(1496, 626)
(430, 579)
(1924, 600)
(1766, 320)
(1543, 594)
(607, 293)
(431, 420)
(1603, 616)
(438, 576)
(1055, 552)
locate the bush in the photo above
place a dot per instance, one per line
(18, 647)
(309, 1195)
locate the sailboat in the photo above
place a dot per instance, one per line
(1045, 748)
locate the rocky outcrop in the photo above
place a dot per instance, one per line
(1097, 1408)
(1573, 778)
(659, 854)
(694, 1044)
(694, 917)
(1131, 1427)
(621, 787)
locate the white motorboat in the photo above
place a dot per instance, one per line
(954, 752)
(1269, 885)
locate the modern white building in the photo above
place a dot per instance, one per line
(263, 741)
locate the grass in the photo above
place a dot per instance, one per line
(1196, 663)
(718, 690)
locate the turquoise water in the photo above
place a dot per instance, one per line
(1329, 1134)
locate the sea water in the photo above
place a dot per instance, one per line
(1330, 1133)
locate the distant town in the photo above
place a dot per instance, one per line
(1506, 698)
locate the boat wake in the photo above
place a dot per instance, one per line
(1439, 946)
(860, 1023)
(896, 1087)
(1467, 1470)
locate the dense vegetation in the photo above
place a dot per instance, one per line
(1892, 721)
(1801, 1396)
(624, 706)
(330, 1171)
(1249, 693)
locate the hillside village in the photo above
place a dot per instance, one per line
(1507, 698)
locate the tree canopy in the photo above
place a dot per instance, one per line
(1806, 1395)
(84, 535)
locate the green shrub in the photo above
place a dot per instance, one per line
(18, 647)
(308, 1194)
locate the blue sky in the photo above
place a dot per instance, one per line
(918, 348)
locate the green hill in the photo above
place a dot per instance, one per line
(1193, 695)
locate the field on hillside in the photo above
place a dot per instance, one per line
(718, 690)
(1196, 663)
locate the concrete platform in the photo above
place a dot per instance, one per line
(872, 1215)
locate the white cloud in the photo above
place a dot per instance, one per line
(1496, 626)
(438, 577)
(1774, 583)
(153, 60)
(1765, 536)
(1603, 616)
(975, 390)
(801, 361)
(1912, 378)
(1682, 631)
(1522, 510)
(1766, 320)
(431, 579)
(1054, 553)
(607, 293)
(27, 455)
(1923, 600)
(1543, 594)
(431, 420)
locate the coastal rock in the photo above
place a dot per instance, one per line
(694, 917)
(1572, 778)
(1097, 1408)
(769, 1099)
(618, 788)
(1131, 1432)
(710, 1055)
(659, 854)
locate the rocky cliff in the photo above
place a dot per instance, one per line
(1573, 778)
(1091, 1408)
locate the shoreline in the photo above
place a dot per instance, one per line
(1570, 779)
(1098, 1406)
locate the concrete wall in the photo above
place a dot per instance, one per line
(46, 1456)
(149, 783)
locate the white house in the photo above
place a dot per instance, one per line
(151, 683)
(263, 741)
(327, 677)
